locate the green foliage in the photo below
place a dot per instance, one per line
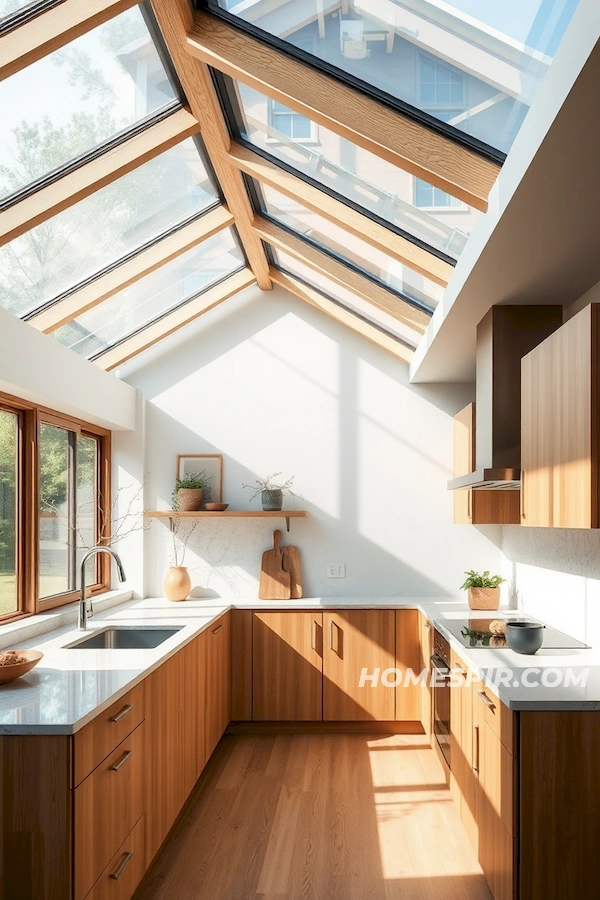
(195, 481)
(270, 483)
(481, 580)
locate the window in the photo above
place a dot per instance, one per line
(54, 505)
(441, 89)
(289, 124)
(427, 196)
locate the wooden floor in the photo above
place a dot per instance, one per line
(318, 817)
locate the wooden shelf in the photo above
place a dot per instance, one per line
(171, 514)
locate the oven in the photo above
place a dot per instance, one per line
(440, 664)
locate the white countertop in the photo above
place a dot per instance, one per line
(69, 687)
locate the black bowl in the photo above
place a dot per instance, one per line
(524, 637)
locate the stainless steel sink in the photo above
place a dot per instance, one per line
(125, 637)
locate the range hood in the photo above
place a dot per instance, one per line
(504, 337)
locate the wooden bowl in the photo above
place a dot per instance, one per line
(9, 673)
(216, 507)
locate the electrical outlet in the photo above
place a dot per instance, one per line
(336, 570)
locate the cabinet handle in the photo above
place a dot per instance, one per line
(313, 634)
(487, 700)
(469, 504)
(428, 626)
(476, 754)
(122, 865)
(122, 713)
(217, 629)
(116, 766)
(522, 496)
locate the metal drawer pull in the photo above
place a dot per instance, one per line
(476, 753)
(487, 700)
(122, 713)
(217, 629)
(122, 761)
(122, 865)
(313, 635)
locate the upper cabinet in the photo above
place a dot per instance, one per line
(560, 416)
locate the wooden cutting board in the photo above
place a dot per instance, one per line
(275, 582)
(291, 564)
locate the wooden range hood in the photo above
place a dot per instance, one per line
(504, 336)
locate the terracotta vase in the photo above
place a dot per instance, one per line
(177, 584)
(190, 499)
(484, 598)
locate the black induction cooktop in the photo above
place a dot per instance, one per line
(475, 632)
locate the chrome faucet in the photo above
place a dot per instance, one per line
(84, 613)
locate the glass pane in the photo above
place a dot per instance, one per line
(9, 448)
(476, 64)
(9, 7)
(87, 505)
(152, 296)
(78, 97)
(357, 175)
(103, 228)
(350, 248)
(346, 298)
(55, 511)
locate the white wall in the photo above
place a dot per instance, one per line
(274, 385)
(37, 368)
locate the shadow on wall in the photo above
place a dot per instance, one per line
(274, 385)
(574, 551)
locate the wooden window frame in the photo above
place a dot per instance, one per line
(31, 416)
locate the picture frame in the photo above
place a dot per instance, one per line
(211, 464)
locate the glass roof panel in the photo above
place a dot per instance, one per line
(474, 64)
(101, 230)
(10, 8)
(77, 98)
(346, 298)
(432, 217)
(348, 247)
(153, 296)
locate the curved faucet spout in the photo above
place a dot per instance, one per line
(83, 609)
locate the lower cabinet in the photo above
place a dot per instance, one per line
(495, 814)
(125, 870)
(287, 667)
(464, 784)
(355, 640)
(218, 682)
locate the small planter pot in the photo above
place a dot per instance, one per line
(177, 584)
(190, 500)
(484, 598)
(272, 501)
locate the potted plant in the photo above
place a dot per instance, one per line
(272, 491)
(177, 583)
(187, 495)
(484, 589)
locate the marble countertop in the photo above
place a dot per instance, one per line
(70, 687)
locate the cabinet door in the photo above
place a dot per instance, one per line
(189, 705)
(464, 460)
(426, 631)
(218, 681)
(356, 640)
(463, 778)
(538, 423)
(287, 667)
(408, 657)
(495, 813)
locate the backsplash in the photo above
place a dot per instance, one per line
(554, 575)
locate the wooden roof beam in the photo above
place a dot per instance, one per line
(132, 270)
(361, 226)
(323, 264)
(53, 29)
(344, 316)
(400, 140)
(175, 18)
(80, 183)
(175, 320)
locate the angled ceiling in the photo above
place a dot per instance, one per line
(158, 159)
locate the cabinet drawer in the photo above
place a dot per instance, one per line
(94, 742)
(498, 716)
(125, 870)
(107, 805)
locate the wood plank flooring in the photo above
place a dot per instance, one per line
(318, 817)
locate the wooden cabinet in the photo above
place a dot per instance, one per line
(477, 507)
(426, 649)
(125, 870)
(356, 640)
(288, 666)
(495, 813)
(408, 658)
(463, 777)
(218, 682)
(560, 414)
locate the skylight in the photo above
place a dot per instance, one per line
(170, 286)
(115, 221)
(472, 66)
(347, 247)
(79, 97)
(429, 217)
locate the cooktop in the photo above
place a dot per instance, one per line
(486, 630)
